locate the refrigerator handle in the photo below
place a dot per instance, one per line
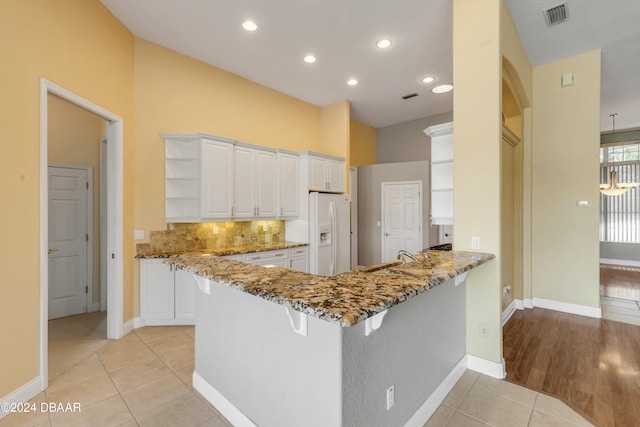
(332, 215)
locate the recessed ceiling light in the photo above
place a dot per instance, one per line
(309, 59)
(427, 79)
(383, 43)
(442, 89)
(249, 25)
(352, 82)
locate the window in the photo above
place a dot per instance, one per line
(620, 215)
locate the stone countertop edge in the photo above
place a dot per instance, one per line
(233, 250)
(345, 299)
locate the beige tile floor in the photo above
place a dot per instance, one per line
(144, 379)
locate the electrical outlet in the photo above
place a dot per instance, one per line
(484, 329)
(475, 243)
(391, 399)
(138, 234)
(215, 229)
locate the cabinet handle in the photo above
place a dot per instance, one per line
(279, 255)
(255, 257)
(258, 211)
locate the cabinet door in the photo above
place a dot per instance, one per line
(317, 173)
(243, 183)
(217, 179)
(185, 297)
(299, 264)
(335, 175)
(156, 290)
(265, 183)
(289, 184)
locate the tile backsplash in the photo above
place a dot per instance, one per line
(187, 237)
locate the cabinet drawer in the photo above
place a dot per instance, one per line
(301, 251)
(259, 257)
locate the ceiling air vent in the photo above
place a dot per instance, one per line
(411, 95)
(556, 15)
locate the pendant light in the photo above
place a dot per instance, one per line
(615, 188)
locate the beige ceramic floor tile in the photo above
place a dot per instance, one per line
(161, 345)
(154, 393)
(190, 331)
(494, 410)
(179, 357)
(87, 368)
(105, 413)
(33, 418)
(150, 332)
(559, 409)
(215, 422)
(93, 389)
(185, 374)
(136, 374)
(459, 419)
(185, 411)
(129, 343)
(507, 390)
(540, 419)
(460, 389)
(113, 362)
(440, 417)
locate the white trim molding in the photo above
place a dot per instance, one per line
(508, 312)
(565, 307)
(224, 406)
(487, 367)
(21, 395)
(625, 262)
(427, 409)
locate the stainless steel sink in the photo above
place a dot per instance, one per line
(378, 267)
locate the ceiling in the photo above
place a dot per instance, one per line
(342, 35)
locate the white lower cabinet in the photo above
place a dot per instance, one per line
(299, 259)
(167, 297)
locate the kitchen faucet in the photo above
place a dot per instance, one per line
(404, 254)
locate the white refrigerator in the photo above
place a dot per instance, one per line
(329, 234)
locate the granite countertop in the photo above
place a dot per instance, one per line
(346, 298)
(232, 250)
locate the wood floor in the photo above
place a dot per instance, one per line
(619, 281)
(591, 364)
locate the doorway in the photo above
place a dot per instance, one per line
(114, 221)
(401, 218)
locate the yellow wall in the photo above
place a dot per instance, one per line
(477, 144)
(74, 138)
(80, 46)
(363, 144)
(566, 127)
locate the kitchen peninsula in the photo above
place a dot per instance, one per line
(276, 347)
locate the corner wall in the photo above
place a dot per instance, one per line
(566, 165)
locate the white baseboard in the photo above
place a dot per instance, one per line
(226, 408)
(521, 304)
(140, 322)
(95, 307)
(508, 312)
(23, 394)
(426, 410)
(565, 307)
(487, 367)
(627, 262)
(128, 327)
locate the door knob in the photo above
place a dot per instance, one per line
(51, 250)
(387, 234)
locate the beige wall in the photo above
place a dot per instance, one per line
(477, 143)
(80, 46)
(74, 138)
(362, 144)
(566, 127)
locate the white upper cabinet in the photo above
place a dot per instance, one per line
(325, 173)
(197, 178)
(254, 182)
(217, 179)
(288, 184)
(441, 173)
(214, 178)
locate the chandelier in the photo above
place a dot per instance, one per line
(615, 188)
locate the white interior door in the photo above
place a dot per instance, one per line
(401, 218)
(68, 280)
